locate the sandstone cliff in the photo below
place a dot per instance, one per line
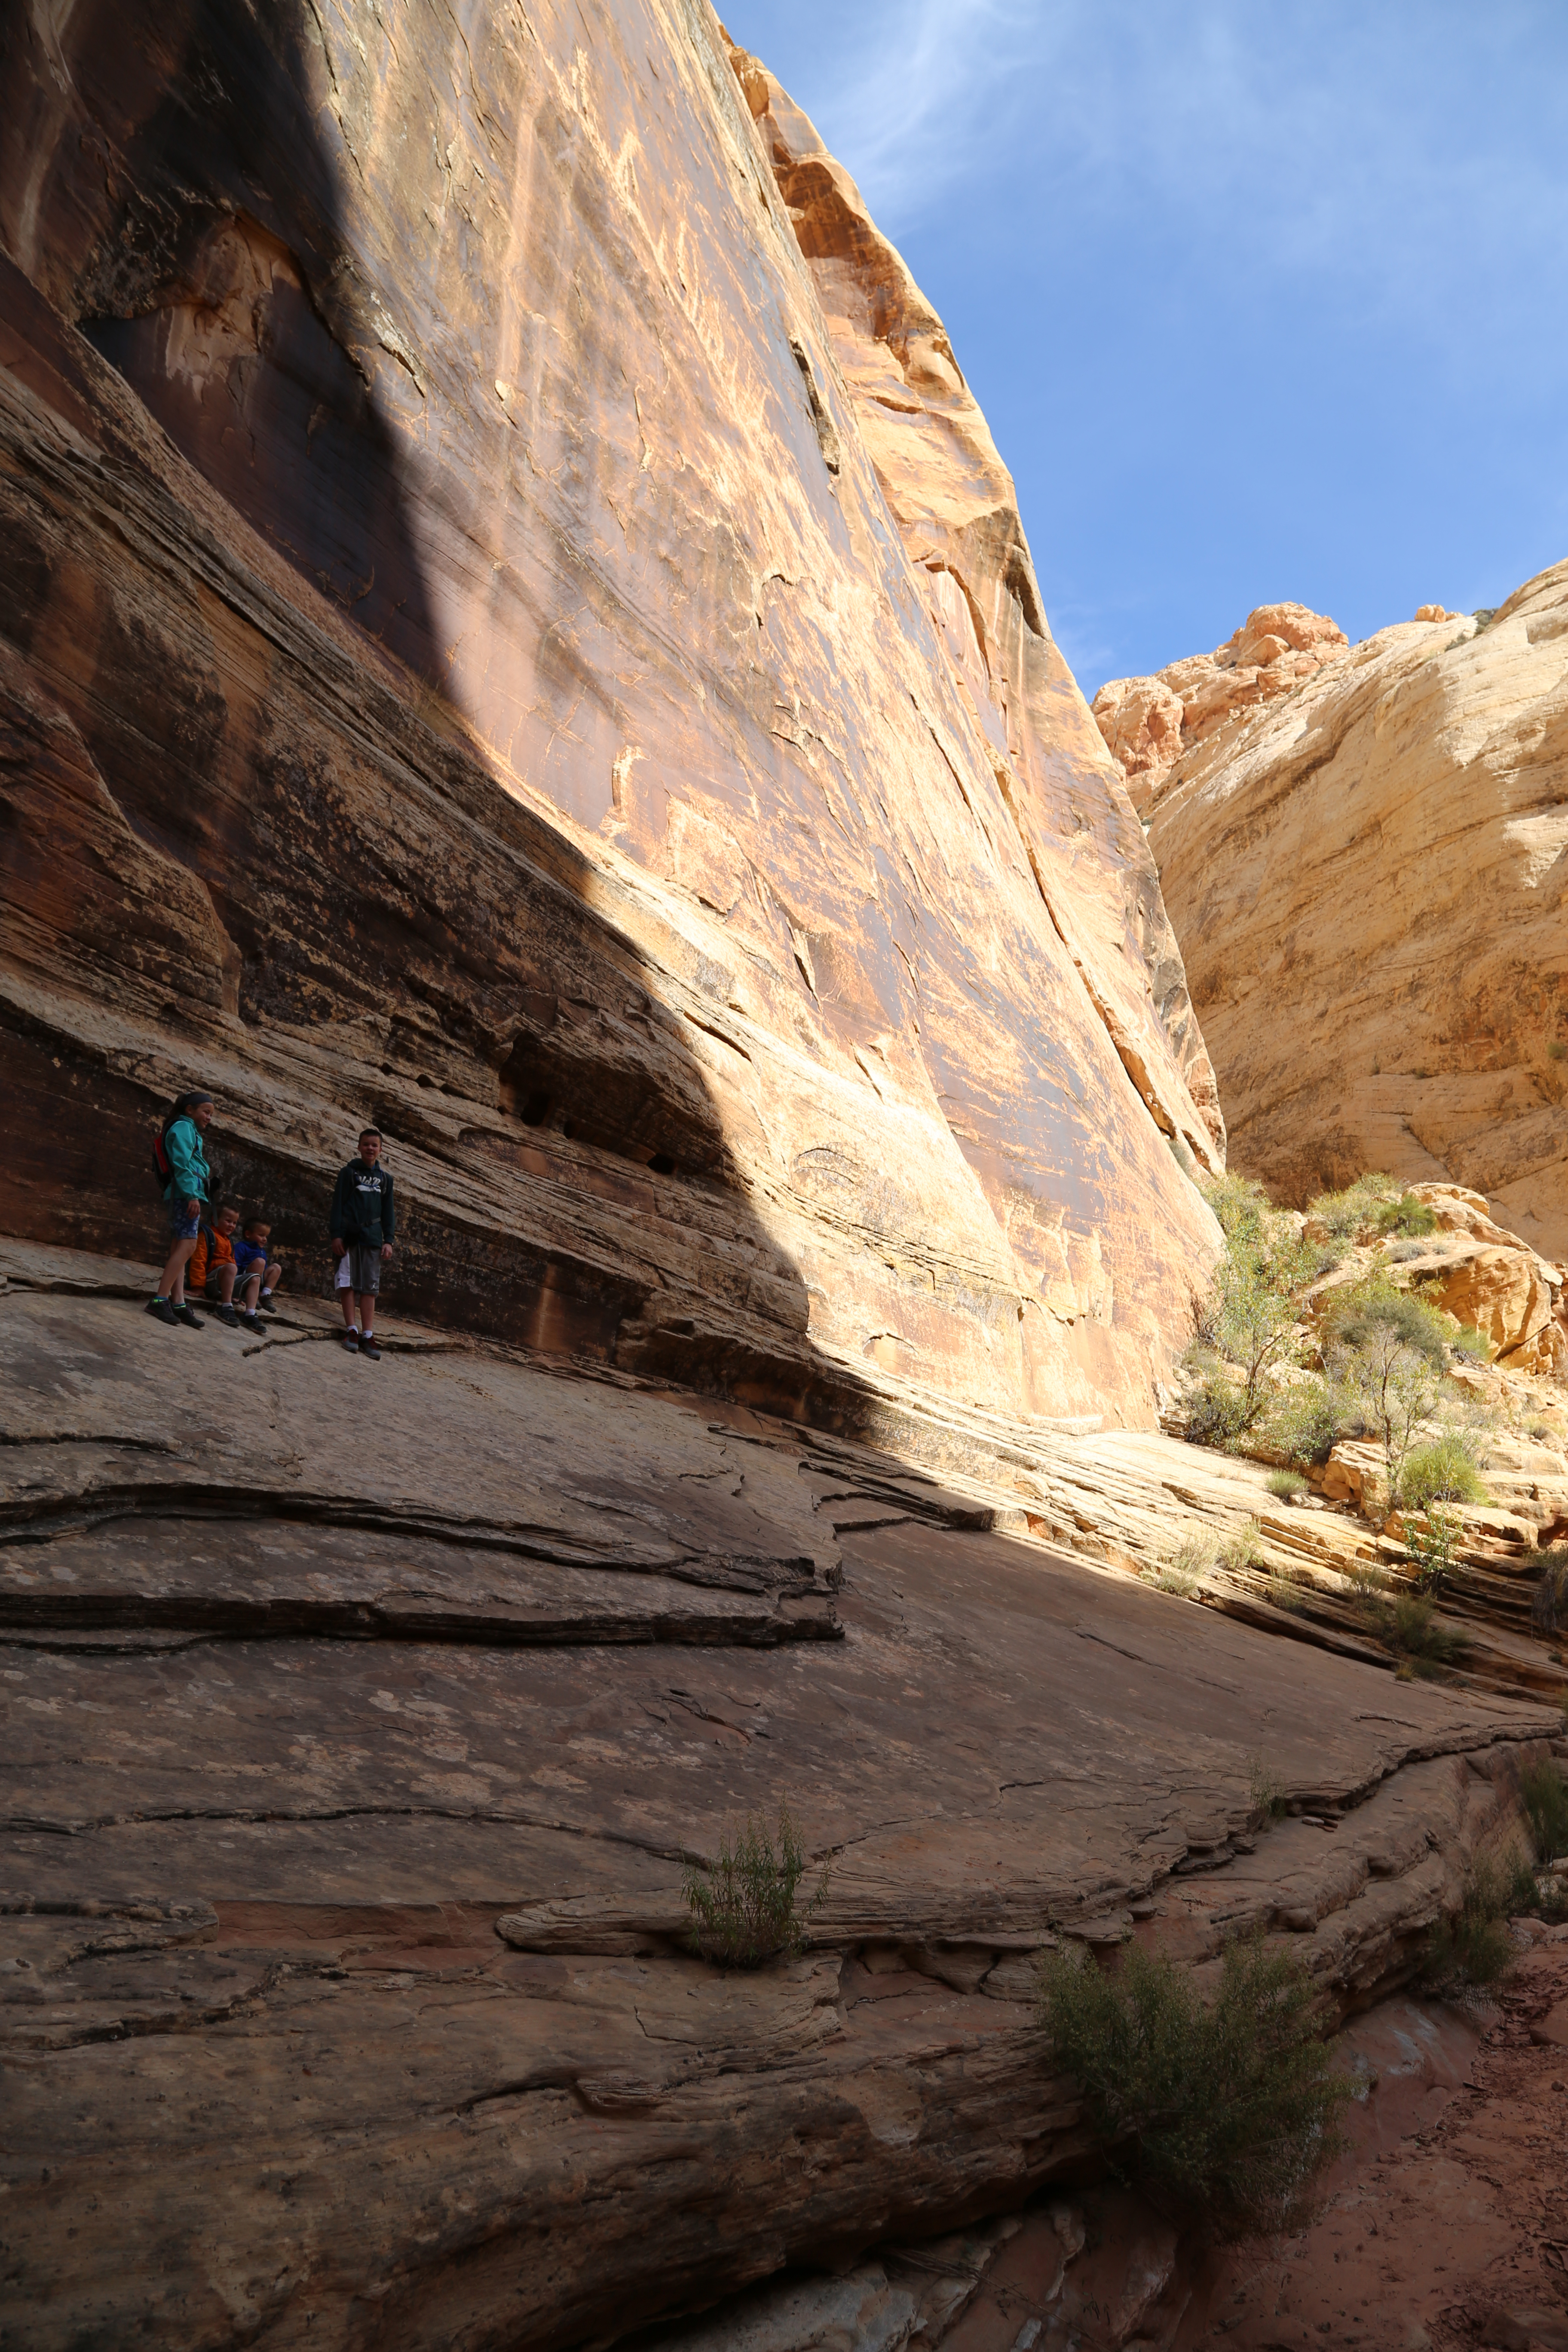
(513, 624)
(1366, 861)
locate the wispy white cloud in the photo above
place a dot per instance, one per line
(907, 102)
(1360, 141)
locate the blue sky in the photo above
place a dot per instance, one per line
(1260, 303)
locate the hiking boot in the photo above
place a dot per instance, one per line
(226, 1313)
(162, 1311)
(184, 1314)
(367, 1347)
(267, 1304)
(351, 1341)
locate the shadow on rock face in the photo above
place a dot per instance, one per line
(224, 812)
(208, 264)
(462, 670)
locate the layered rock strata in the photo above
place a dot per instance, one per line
(1368, 879)
(515, 628)
(363, 1722)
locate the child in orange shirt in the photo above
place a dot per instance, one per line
(212, 1269)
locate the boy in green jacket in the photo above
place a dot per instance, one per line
(190, 1181)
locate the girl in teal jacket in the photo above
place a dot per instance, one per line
(186, 1192)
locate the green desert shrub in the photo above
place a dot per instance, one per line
(1388, 1348)
(1242, 1207)
(742, 1907)
(1545, 1795)
(1226, 2110)
(1355, 1210)
(1472, 1950)
(1304, 1421)
(1446, 1471)
(1217, 1411)
(1549, 1608)
(1249, 1314)
(1432, 1541)
(1359, 1315)
(1285, 1484)
(1406, 1624)
(1405, 1216)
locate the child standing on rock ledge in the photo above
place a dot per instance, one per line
(364, 1227)
(179, 1151)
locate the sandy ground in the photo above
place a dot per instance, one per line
(1454, 2236)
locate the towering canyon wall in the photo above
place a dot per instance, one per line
(513, 623)
(1364, 850)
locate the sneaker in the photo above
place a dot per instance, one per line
(162, 1311)
(251, 1323)
(368, 1347)
(226, 1313)
(184, 1313)
(351, 1341)
(267, 1303)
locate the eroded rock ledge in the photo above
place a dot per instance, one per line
(342, 1932)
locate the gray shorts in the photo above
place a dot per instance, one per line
(364, 1268)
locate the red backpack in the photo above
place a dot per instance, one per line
(163, 1166)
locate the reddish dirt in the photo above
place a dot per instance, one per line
(1455, 2235)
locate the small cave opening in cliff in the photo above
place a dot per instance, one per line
(583, 1107)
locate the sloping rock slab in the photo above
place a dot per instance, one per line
(273, 2073)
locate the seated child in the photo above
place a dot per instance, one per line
(212, 1269)
(258, 1274)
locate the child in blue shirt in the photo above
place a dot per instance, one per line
(258, 1274)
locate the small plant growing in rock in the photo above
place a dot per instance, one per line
(1216, 1411)
(1283, 1591)
(1193, 1559)
(1472, 1950)
(1406, 1215)
(1303, 1421)
(1407, 1623)
(1545, 1795)
(1446, 1471)
(1355, 1210)
(1433, 1543)
(1243, 1550)
(1268, 1800)
(1549, 1608)
(1287, 1485)
(1227, 2111)
(742, 1907)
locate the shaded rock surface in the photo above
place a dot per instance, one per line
(479, 649)
(1441, 2225)
(1369, 880)
(341, 1864)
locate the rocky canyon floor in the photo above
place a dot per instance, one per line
(363, 1719)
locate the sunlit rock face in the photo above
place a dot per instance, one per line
(513, 625)
(1368, 874)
